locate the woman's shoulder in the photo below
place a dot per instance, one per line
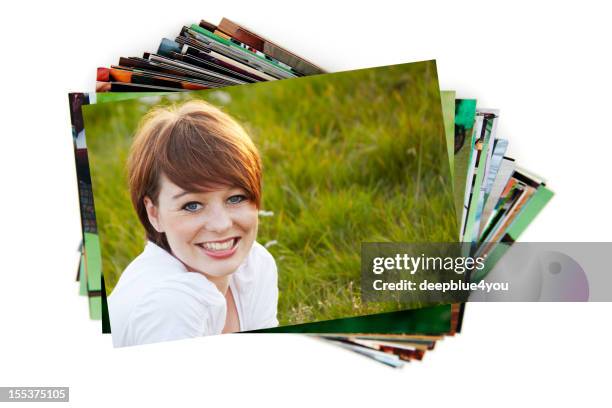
(157, 299)
(257, 283)
(261, 256)
(259, 265)
(155, 269)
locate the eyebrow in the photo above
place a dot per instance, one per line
(183, 193)
(179, 195)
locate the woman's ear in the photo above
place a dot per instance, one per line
(153, 214)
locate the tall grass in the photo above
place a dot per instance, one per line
(348, 158)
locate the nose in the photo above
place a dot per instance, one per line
(218, 219)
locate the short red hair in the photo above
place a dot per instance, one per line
(195, 145)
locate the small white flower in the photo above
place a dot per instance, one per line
(151, 99)
(270, 243)
(221, 97)
(264, 213)
(174, 96)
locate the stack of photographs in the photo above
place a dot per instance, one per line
(491, 199)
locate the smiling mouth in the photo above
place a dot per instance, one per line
(220, 249)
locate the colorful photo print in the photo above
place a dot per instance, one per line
(282, 181)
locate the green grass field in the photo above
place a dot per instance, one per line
(348, 158)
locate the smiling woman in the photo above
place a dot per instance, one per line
(195, 183)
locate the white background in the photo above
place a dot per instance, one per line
(548, 68)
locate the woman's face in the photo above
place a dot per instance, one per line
(211, 232)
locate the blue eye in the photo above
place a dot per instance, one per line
(192, 206)
(237, 199)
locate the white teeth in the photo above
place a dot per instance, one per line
(219, 246)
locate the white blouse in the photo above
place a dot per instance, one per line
(157, 299)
